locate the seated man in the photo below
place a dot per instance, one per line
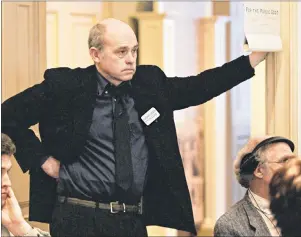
(254, 168)
(285, 191)
(13, 222)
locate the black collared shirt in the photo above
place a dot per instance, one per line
(92, 175)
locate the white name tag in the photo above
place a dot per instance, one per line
(150, 116)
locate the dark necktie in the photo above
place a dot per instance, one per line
(123, 160)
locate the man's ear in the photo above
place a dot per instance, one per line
(258, 172)
(95, 54)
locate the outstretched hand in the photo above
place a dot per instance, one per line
(257, 57)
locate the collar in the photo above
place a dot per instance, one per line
(102, 83)
(260, 202)
(255, 218)
(121, 90)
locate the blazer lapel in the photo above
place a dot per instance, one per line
(143, 98)
(255, 219)
(84, 102)
(144, 101)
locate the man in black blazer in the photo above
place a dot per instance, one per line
(108, 163)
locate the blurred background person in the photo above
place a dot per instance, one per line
(254, 167)
(285, 190)
(12, 221)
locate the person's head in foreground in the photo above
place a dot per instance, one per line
(12, 220)
(259, 159)
(113, 47)
(7, 151)
(285, 192)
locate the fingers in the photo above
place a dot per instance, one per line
(11, 193)
(12, 196)
(51, 167)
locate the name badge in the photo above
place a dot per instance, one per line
(150, 116)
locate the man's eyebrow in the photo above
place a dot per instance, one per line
(287, 157)
(126, 47)
(122, 47)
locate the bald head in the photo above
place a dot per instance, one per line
(114, 25)
(113, 47)
(109, 30)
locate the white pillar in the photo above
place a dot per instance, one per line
(221, 121)
(240, 99)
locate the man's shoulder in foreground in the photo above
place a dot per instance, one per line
(228, 224)
(234, 212)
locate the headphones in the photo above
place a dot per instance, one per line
(249, 163)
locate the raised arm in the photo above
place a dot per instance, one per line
(195, 90)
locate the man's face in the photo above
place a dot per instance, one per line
(5, 181)
(276, 156)
(117, 59)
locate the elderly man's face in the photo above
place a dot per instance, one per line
(275, 156)
(119, 54)
(5, 180)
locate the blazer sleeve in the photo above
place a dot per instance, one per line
(194, 90)
(25, 109)
(224, 229)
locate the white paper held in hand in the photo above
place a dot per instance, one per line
(150, 116)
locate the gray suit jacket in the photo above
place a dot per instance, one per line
(242, 219)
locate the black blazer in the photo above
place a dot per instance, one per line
(63, 105)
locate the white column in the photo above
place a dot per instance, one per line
(240, 99)
(169, 47)
(221, 121)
